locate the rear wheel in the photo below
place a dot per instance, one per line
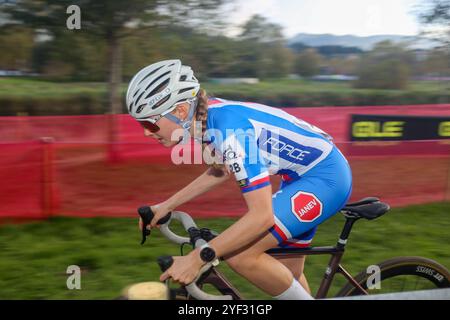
(402, 274)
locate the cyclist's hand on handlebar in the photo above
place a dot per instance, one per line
(157, 216)
(184, 269)
(160, 211)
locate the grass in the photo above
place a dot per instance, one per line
(25, 96)
(34, 256)
(36, 88)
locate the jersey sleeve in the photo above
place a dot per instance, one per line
(241, 155)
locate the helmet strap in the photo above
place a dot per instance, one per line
(187, 123)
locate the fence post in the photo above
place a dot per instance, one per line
(113, 155)
(48, 190)
(447, 192)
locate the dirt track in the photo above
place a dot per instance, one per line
(96, 188)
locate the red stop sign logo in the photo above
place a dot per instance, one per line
(306, 206)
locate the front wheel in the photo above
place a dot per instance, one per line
(401, 274)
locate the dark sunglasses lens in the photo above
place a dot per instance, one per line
(149, 126)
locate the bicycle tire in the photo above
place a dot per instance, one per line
(436, 274)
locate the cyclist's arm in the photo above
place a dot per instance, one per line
(202, 184)
(253, 224)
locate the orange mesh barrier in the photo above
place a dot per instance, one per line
(80, 172)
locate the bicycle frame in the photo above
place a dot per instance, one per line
(218, 280)
(368, 208)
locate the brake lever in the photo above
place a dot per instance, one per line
(147, 215)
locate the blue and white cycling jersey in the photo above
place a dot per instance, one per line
(257, 141)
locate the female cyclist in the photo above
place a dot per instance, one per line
(254, 141)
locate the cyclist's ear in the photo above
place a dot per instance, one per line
(181, 111)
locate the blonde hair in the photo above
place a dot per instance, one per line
(201, 114)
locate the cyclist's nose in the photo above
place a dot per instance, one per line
(148, 133)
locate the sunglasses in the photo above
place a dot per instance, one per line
(150, 125)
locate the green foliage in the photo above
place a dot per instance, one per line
(38, 97)
(385, 67)
(438, 62)
(259, 29)
(137, 33)
(307, 63)
(107, 20)
(71, 56)
(261, 50)
(34, 256)
(327, 50)
(16, 45)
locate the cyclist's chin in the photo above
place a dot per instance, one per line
(168, 143)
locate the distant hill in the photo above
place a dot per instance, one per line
(363, 43)
(332, 50)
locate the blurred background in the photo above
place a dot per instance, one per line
(373, 74)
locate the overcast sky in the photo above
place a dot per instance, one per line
(356, 17)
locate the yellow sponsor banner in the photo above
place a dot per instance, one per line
(394, 127)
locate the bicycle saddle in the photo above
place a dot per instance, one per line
(368, 208)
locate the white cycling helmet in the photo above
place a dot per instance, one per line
(157, 89)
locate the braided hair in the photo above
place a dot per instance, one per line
(201, 114)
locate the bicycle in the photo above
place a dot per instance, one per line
(428, 273)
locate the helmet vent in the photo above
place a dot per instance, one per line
(185, 89)
(158, 87)
(137, 99)
(139, 109)
(161, 102)
(148, 75)
(134, 95)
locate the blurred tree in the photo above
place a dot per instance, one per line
(263, 51)
(387, 66)
(327, 51)
(437, 62)
(437, 13)
(71, 56)
(298, 47)
(342, 65)
(307, 63)
(281, 61)
(212, 56)
(16, 46)
(338, 50)
(259, 29)
(113, 20)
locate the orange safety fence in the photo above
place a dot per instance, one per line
(23, 179)
(71, 172)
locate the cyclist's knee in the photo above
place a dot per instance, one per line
(242, 261)
(296, 266)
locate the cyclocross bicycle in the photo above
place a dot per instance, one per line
(396, 274)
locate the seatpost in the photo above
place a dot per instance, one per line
(349, 221)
